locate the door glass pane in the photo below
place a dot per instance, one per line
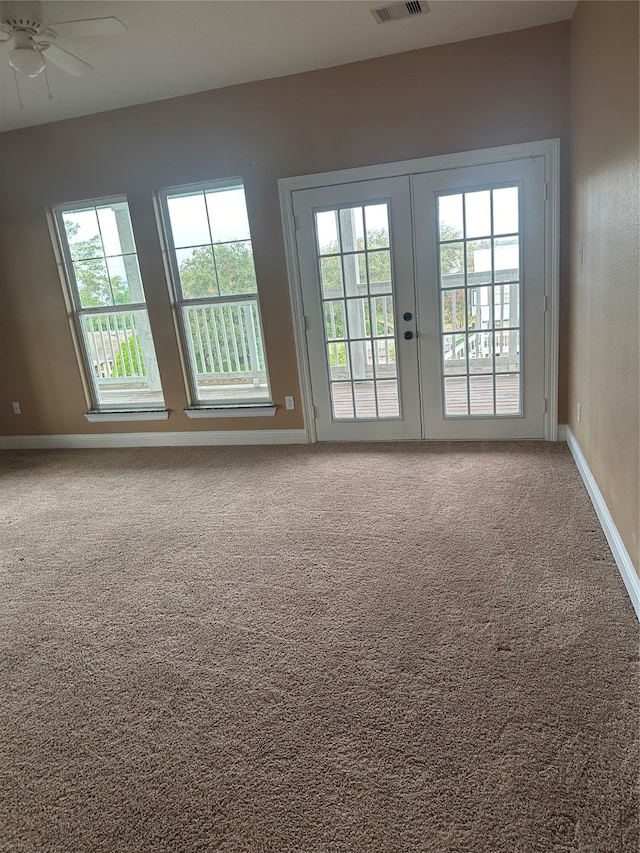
(477, 210)
(450, 218)
(327, 232)
(505, 211)
(364, 315)
(352, 229)
(382, 313)
(452, 265)
(480, 352)
(481, 395)
(384, 350)
(507, 345)
(479, 253)
(508, 394)
(364, 394)
(506, 253)
(388, 399)
(456, 396)
(453, 302)
(339, 363)
(331, 276)
(379, 271)
(334, 320)
(359, 328)
(361, 360)
(507, 305)
(478, 261)
(361, 269)
(342, 400)
(479, 308)
(454, 354)
(354, 271)
(376, 218)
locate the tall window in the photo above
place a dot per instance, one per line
(103, 277)
(211, 260)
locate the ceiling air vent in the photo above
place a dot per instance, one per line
(395, 11)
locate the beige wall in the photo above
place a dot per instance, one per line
(605, 288)
(493, 91)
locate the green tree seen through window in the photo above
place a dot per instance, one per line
(95, 287)
(232, 270)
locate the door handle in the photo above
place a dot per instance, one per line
(408, 336)
(407, 316)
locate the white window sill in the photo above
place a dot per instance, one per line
(127, 415)
(257, 411)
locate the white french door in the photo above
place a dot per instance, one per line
(479, 248)
(424, 303)
(355, 252)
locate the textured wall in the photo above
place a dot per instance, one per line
(493, 91)
(605, 289)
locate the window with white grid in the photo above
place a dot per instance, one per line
(106, 292)
(211, 259)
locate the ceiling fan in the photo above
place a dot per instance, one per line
(34, 43)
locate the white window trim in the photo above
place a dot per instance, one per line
(178, 302)
(96, 412)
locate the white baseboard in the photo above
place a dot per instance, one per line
(620, 553)
(562, 432)
(155, 439)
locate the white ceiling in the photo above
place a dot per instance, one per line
(176, 47)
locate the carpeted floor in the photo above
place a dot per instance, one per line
(400, 648)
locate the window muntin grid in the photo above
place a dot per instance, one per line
(105, 287)
(356, 289)
(479, 242)
(211, 257)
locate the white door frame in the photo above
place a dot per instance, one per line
(549, 149)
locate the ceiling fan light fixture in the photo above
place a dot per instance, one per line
(26, 61)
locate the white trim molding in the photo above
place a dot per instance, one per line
(548, 149)
(562, 432)
(285, 191)
(155, 439)
(478, 157)
(620, 553)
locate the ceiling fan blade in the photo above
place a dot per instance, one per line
(65, 60)
(89, 27)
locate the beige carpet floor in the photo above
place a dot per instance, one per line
(330, 649)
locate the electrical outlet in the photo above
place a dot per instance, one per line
(579, 412)
(16, 409)
(289, 403)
